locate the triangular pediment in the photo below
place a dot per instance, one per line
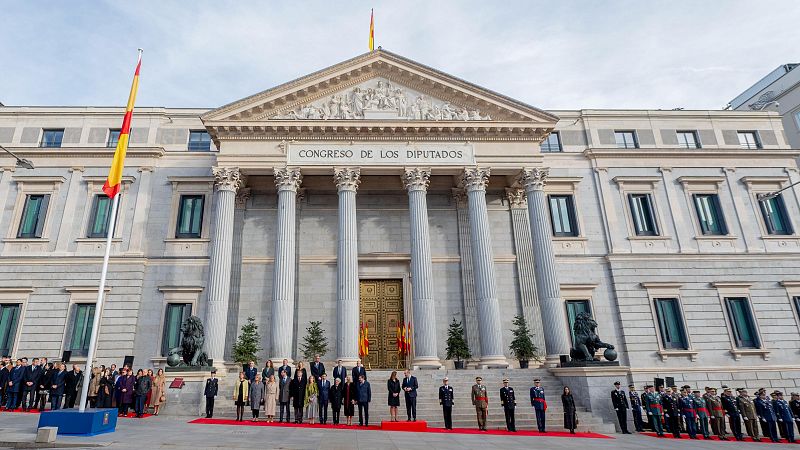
(375, 87)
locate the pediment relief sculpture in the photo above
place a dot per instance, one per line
(379, 99)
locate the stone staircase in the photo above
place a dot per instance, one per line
(428, 408)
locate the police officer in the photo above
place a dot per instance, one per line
(509, 403)
(446, 400)
(539, 404)
(636, 407)
(701, 410)
(794, 404)
(480, 399)
(620, 402)
(729, 404)
(211, 389)
(784, 414)
(766, 414)
(748, 410)
(654, 409)
(689, 413)
(672, 410)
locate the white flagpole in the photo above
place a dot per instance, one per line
(98, 309)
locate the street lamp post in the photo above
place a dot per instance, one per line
(770, 195)
(21, 162)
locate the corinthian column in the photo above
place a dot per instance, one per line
(347, 181)
(287, 181)
(554, 319)
(416, 182)
(474, 181)
(227, 180)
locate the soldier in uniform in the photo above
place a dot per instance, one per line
(654, 409)
(729, 404)
(717, 414)
(766, 414)
(446, 400)
(539, 404)
(672, 411)
(636, 408)
(748, 410)
(645, 392)
(784, 414)
(794, 404)
(480, 398)
(702, 413)
(509, 403)
(620, 402)
(210, 392)
(689, 413)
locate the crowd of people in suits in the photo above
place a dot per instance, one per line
(33, 386)
(685, 410)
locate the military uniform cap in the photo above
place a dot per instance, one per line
(478, 379)
(695, 392)
(446, 379)
(632, 386)
(724, 386)
(795, 393)
(778, 393)
(536, 380)
(505, 380)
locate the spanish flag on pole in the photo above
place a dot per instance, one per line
(112, 184)
(371, 30)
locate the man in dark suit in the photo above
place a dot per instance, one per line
(410, 387)
(339, 372)
(211, 390)
(5, 372)
(58, 382)
(251, 371)
(74, 380)
(620, 401)
(359, 371)
(363, 396)
(14, 385)
(324, 397)
(30, 383)
(317, 369)
(446, 400)
(286, 368)
(283, 395)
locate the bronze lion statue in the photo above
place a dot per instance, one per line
(586, 340)
(192, 341)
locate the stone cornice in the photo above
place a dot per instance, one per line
(85, 152)
(687, 156)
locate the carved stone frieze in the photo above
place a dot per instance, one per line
(416, 179)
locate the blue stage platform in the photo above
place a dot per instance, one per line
(88, 423)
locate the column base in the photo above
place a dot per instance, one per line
(551, 361)
(426, 362)
(493, 362)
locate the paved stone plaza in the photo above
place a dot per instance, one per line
(177, 433)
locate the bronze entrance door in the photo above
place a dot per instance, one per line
(381, 308)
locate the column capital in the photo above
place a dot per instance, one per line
(227, 178)
(516, 198)
(288, 179)
(241, 197)
(533, 178)
(347, 178)
(416, 179)
(475, 178)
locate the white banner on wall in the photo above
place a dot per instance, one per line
(380, 154)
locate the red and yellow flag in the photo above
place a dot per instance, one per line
(408, 339)
(371, 30)
(397, 341)
(366, 339)
(112, 184)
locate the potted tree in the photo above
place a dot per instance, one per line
(522, 346)
(457, 347)
(315, 342)
(246, 346)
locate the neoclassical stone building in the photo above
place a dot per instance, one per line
(380, 190)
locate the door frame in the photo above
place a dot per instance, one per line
(389, 271)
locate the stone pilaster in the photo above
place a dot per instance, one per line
(227, 181)
(467, 273)
(416, 182)
(523, 248)
(553, 315)
(347, 181)
(287, 181)
(474, 181)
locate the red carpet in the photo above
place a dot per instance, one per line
(388, 425)
(247, 422)
(714, 438)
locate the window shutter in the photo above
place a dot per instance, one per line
(42, 215)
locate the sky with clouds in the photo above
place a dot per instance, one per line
(695, 54)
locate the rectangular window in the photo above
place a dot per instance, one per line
(670, 324)
(562, 215)
(190, 216)
(709, 214)
(33, 215)
(742, 322)
(100, 218)
(552, 143)
(575, 307)
(776, 218)
(9, 316)
(113, 138)
(749, 139)
(688, 139)
(176, 314)
(199, 141)
(52, 138)
(81, 332)
(643, 214)
(626, 139)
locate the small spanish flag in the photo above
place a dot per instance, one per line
(112, 184)
(366, 339)
(371, 30)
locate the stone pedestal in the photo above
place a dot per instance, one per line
(593, 386)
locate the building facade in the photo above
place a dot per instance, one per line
(382, 191)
